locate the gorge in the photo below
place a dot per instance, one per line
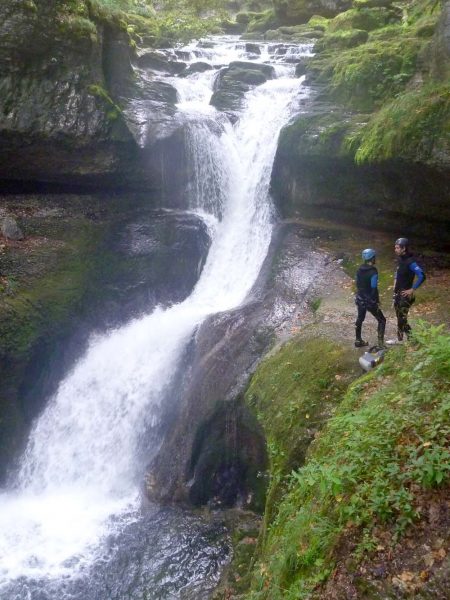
(176, 315)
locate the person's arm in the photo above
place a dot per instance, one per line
(374, 287)
(414, 267)
(420, 275)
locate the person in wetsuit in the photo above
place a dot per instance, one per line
(367, 297)
(408, 277)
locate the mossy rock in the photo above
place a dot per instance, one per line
(364, 76)
(321, 135)
(267, 20)
(366, 19)
(342, 40)
(300, 11)
(301, 32)
(416, 127)
(318, 22)
(245, 17)
(229, 26)
(273, 35)
(372, 3)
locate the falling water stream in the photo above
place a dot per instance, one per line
(73, 524)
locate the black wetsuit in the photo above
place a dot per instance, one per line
(367, 299)
(407, 270)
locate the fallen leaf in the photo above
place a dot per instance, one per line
(440, 554)
(428, 560)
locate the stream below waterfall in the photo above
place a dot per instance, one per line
(73, 523)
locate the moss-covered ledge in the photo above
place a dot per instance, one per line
(315, 174)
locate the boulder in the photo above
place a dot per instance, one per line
(341, 40)
(252, 48)
(198, 67)
(233, 81)
(291, 12)
(10, 230)
(302, 66)
(157, 61)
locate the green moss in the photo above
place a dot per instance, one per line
(341, 40)
(319, 22)
(319, 135)
(372, 3)
(245, 17)
(293, 392)
(266, 20)
(366, 76)
(48, 301)
(30, 6)
(386, 442)
(78, 27)
(113, 110)
(416, 126)
(367, 19)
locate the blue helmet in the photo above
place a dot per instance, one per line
(368, 254)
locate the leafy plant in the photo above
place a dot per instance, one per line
(389, 438)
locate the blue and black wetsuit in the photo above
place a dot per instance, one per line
(367, 299)
(409, 275)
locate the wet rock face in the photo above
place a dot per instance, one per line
(70, 101)
(236, 79)
(439, 56)
(214, 449)
(314, 176)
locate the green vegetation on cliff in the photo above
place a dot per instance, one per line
(414, 126)
(157, 24)
(386, 63)
(385, 446)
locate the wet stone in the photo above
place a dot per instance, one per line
(10, 229)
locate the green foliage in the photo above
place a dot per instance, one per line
(293, 393)
(366, 19)
(113, 110)
(389, 438)
(342, 40)
(319, 22)
(368, 75)
(414, 126)
(263, 21)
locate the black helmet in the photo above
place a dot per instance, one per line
(403, 242)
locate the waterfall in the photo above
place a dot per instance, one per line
(79, 477)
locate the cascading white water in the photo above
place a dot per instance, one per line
(78, 477)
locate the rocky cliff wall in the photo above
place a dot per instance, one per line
(376, 143)
(69, 93)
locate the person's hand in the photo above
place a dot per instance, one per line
(407, 293)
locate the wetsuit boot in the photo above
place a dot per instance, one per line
(359, 342)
